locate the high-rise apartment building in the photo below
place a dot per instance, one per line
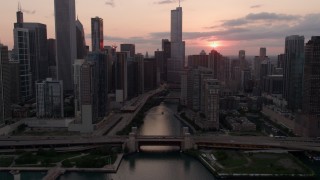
(159, 55)
(49, 99)
(37, 49)
(293, 71)
(121, 76)
(110, 54)
(176, 62)
(81, 40)
(88, 96)
(140, 60)
(150, 73)
(166, 48)
(242, 60)
(281, 60)
(77, 81)
(52, 58)
(14, 79)
(310, 121)
(211, 101)
(65, 41)
(22, 53)
(130, 48)
(100, 61)
(257, 62)
(194, 61)
(5, 82)
(97, 34)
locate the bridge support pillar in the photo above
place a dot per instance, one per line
(16, 175)
(187, 143)
(131, 144)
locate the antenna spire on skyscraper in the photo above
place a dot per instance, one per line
(19, 6)
(179, 3)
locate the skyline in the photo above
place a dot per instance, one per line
(249, 26)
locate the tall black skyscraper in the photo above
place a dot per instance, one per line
(81, 41)
(166, 48)
(65, 41)
(293, 71)
(97, 34)
(311, 89)
(5, 82)
(131, 48)
(36, 64)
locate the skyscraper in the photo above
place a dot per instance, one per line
(97, 34)
(5, 82)
(49, 99)
(242, 59)
(166, 48)
(131, 48)
(293, 71)
(311, 89)
(121, 76)
(176, 62)
(65, 41)
(38, 51)
(52, 58)
(37, 48)
(257, 62)
(100, 68)
(81, 41)
(194, 61)
(140, 60)
(22, 53)
(211, 101)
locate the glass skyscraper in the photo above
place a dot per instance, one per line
(65, 41)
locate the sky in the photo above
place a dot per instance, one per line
(231, 25)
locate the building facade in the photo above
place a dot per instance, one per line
(293, 71)
(81, 41)
(5, 82)
(176, 61)
(66, 47)
(211, 101)
(49, 99)
(22, 54)
(310, 122)
(130, 48)
(97, 34)
(100, 61)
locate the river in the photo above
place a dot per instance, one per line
(155, 162)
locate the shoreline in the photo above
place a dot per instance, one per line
(106, 169)
(219, 175)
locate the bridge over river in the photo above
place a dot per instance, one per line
(134, 142)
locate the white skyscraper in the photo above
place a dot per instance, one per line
(66, 46)
(176, 62)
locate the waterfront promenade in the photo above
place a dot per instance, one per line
(54, 172)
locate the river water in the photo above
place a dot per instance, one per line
(154, 162)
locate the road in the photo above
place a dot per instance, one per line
(291, 143)
(117, 121)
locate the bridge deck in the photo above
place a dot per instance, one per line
(294, 143)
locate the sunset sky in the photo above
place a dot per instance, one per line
(231, 24)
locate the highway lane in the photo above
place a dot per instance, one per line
(289, 143)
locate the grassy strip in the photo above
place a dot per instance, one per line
(96, 158)
(260, 163)
(6, 161)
